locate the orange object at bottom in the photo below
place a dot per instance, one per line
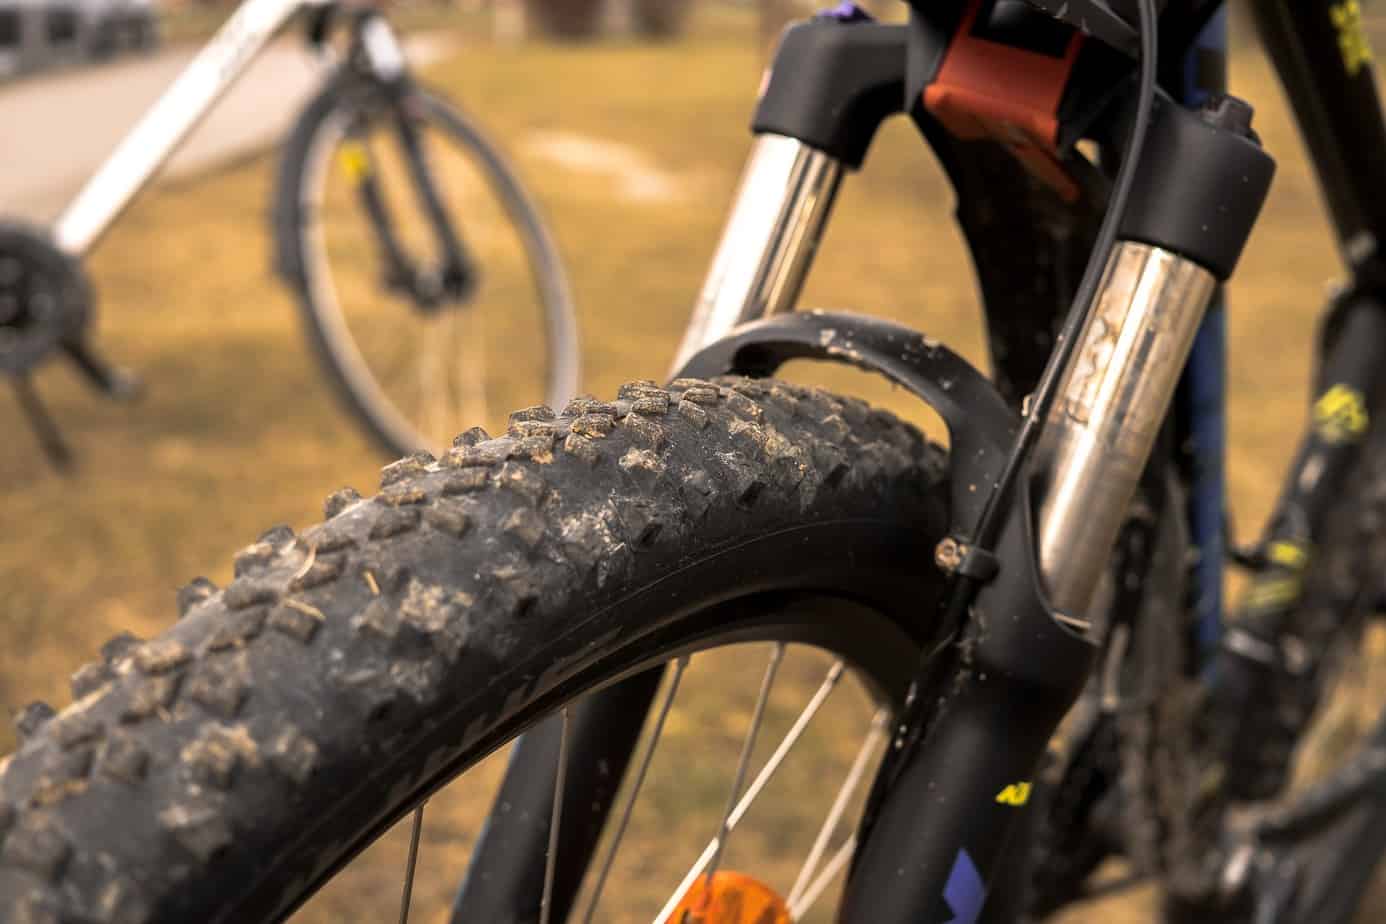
(734, 898)
(988, 89)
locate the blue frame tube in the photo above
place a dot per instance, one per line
(1201, 401)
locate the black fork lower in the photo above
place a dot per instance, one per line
(504, 882)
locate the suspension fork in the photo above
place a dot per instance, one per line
(829, 89)
(951, 805)
(778, 217)
(947, 810)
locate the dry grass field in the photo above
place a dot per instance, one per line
(239, 432)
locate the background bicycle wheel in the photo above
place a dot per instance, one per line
(416, 369)
(633, 151)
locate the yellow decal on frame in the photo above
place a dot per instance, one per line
(1288, 554)
(1352, 38)
(1340, 414)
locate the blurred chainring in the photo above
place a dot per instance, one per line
(45, 301)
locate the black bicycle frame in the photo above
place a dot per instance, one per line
(1321, 54)
(947, 817)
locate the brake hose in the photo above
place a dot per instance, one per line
(1047, 391)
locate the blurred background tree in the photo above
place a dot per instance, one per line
(569, 19)
(581, 19)
(660, 18)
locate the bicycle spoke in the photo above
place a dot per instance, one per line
(432, 395)
(456, 421)
(747, 746)
(787, 743)
(844, 795)
(420, 369)
(470, 354)
(473, 362)
(393, 358)
(410, 865)
(550, 862)
(839, 860)
(639, 780)
(452, 408)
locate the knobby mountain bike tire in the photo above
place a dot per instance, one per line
(302, 256)
(225, 769)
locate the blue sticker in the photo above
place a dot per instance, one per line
(845, 12)
(964, 890)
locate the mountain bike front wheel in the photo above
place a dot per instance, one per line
(430, 288)
(229, 768)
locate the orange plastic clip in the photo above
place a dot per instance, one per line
(986, 89)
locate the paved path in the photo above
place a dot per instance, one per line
(55, 130)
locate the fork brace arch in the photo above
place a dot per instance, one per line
(981, 428)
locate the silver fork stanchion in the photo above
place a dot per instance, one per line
(786, 194)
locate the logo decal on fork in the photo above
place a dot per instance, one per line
(964, 890)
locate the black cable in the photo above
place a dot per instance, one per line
(1046, 392)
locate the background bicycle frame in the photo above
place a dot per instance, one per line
(220, 63)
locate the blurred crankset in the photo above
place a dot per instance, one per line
(46, 310)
